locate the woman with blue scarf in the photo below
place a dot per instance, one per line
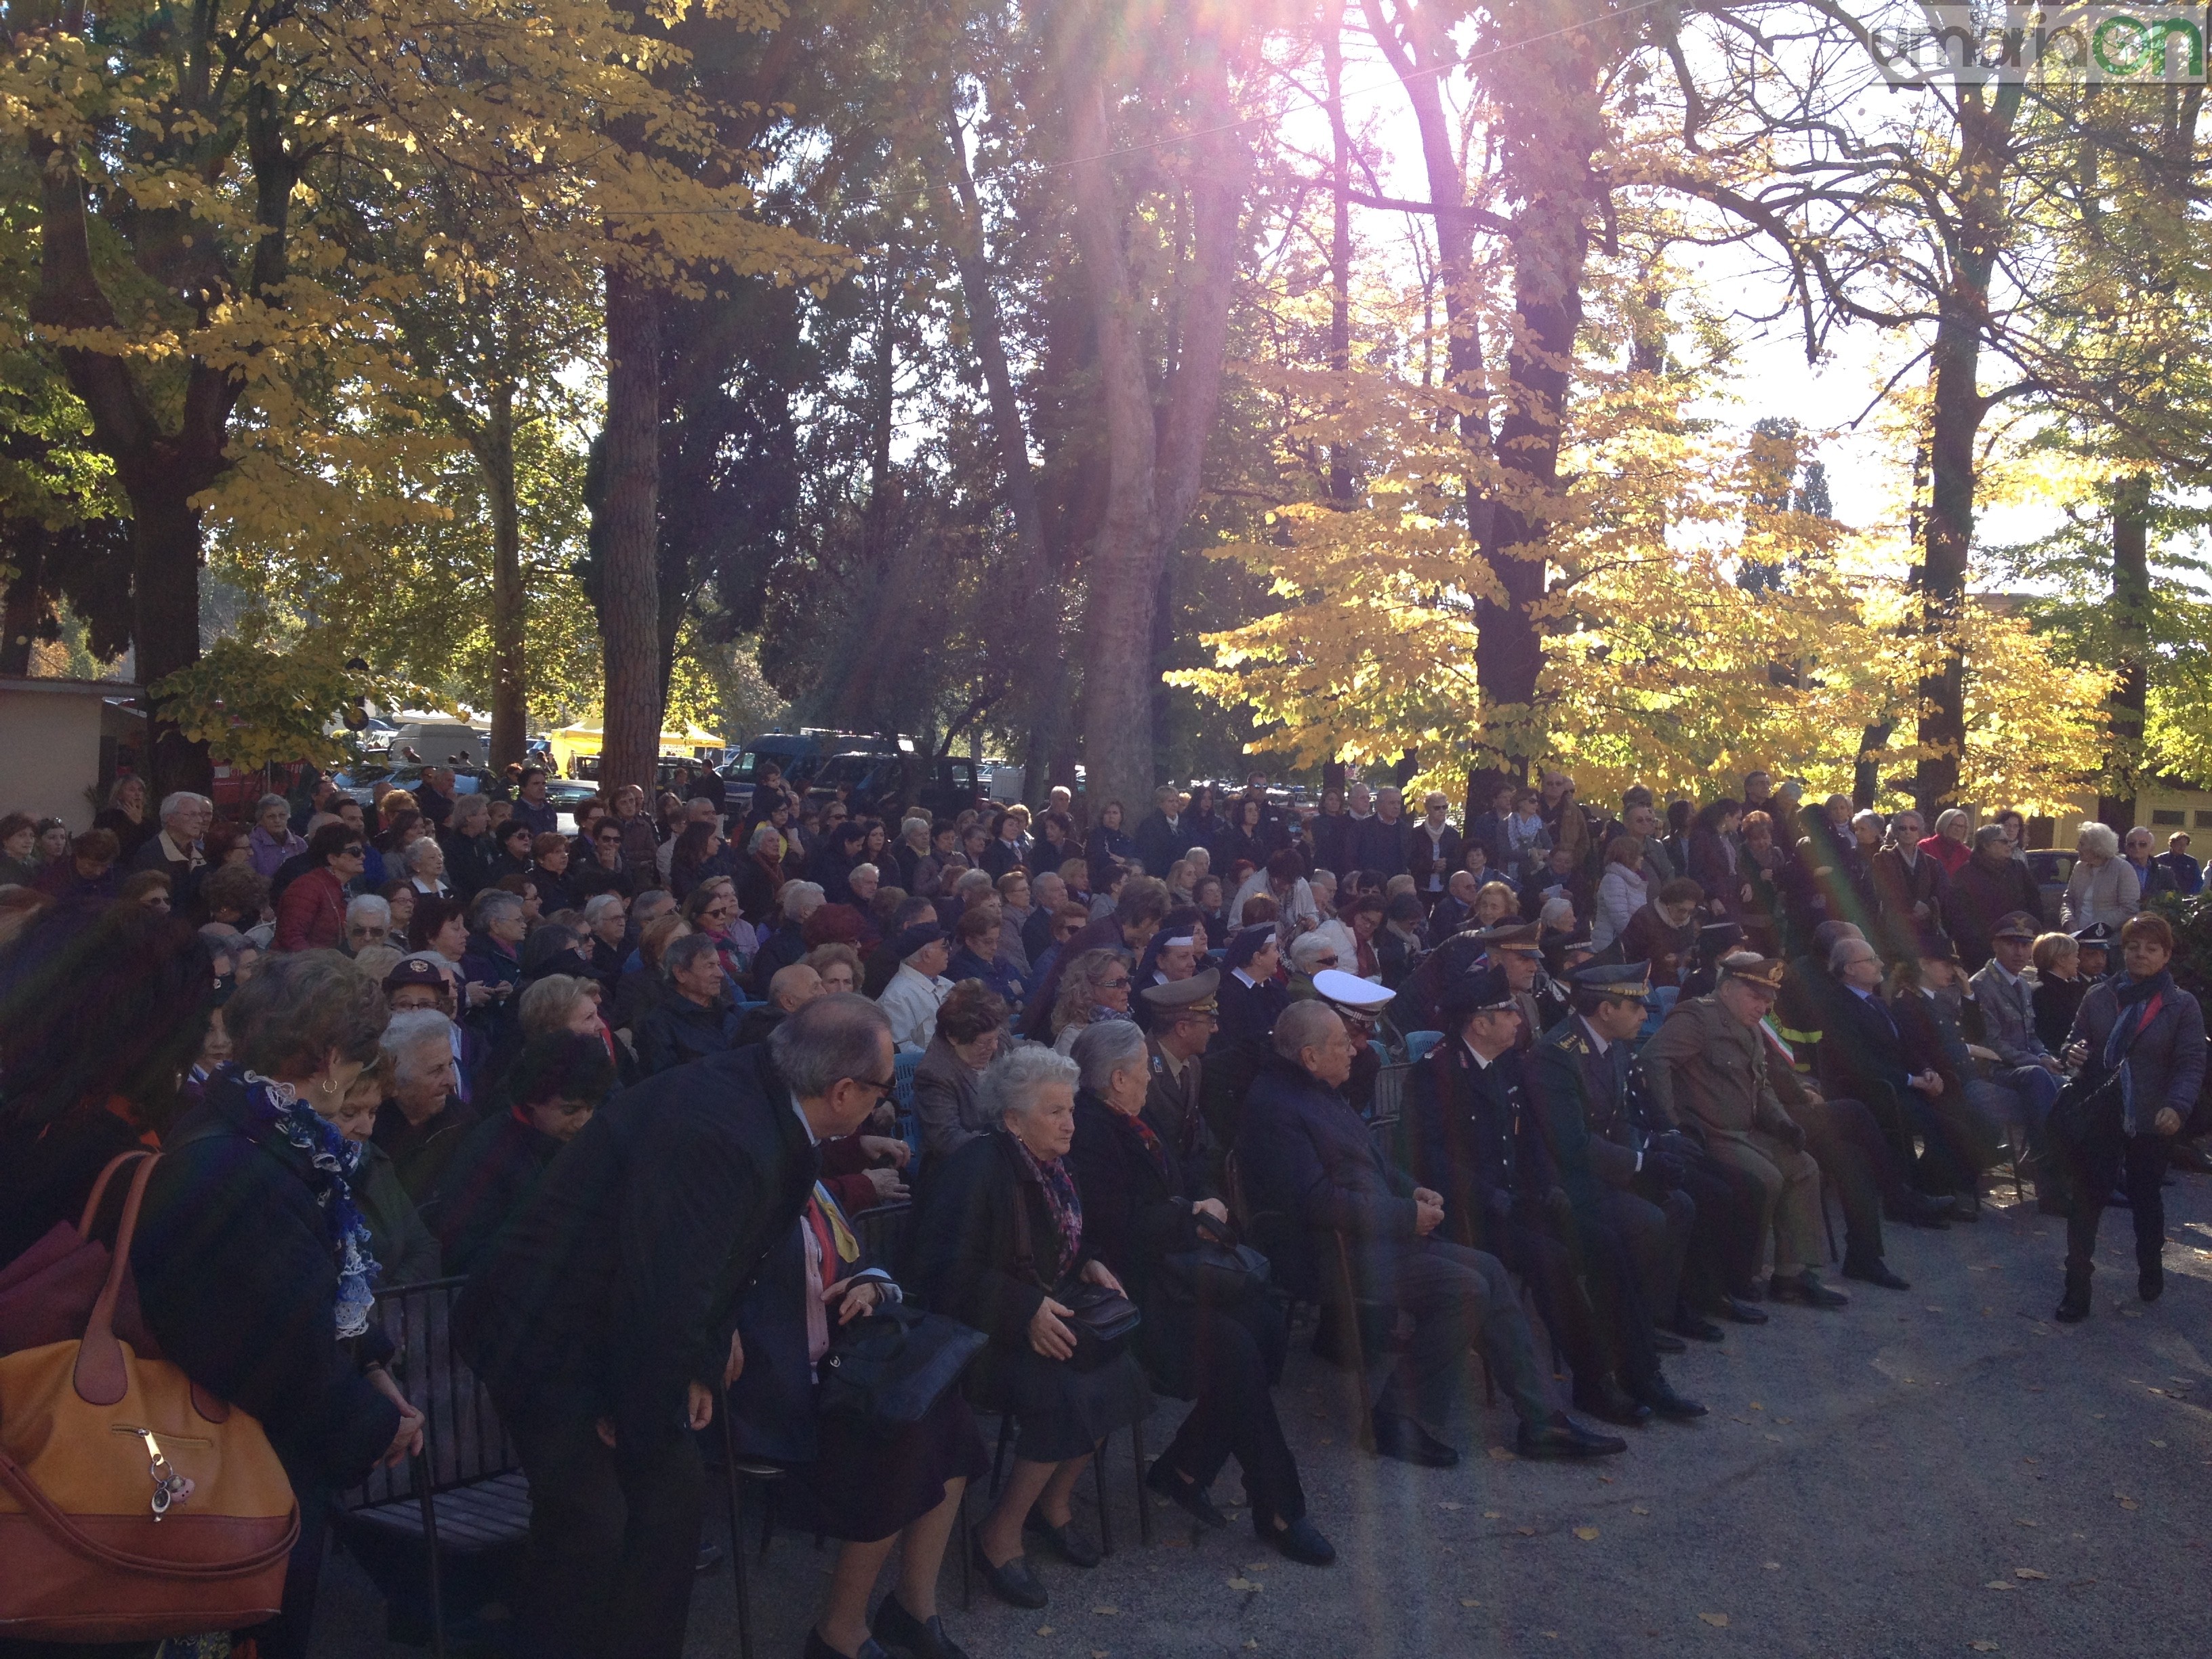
(2142, 1030)
(254, 1264)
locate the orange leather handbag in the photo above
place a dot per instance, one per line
(132, 1506)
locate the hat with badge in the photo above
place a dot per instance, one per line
(1522, 936)
(1936, 945)
(413, 971)
(1717, 938)
(1764, 972)
(2098, 935)
(2018, 924)
(1484, 990)
(1178, 997)
(1348, 993)
(1614, 978)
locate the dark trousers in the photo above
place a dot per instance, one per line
(1461, 1301)
(1725, 1240)
(1235, 1357)
(1855, 1158)
(614, 1536)
(1585, 1291)
(2142, 1169)
(1961, 1132)
(1655, 1230)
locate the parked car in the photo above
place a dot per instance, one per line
(886, 785)
(359, 782)
(439, 743)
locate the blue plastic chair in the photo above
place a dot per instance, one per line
(1417, 1043)
(903, 1070)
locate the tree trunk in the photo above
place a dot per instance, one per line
(629, 570)
(960, 207)
(494, 445)
(2131, 605)
(1956, 410)
(1154, 468)
(165, 628)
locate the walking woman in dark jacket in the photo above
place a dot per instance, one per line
(252, 1261)
(868, 1492)
(2141, 1026)
(1142, 1207)
(999, 1245)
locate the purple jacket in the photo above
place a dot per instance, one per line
(270, 852)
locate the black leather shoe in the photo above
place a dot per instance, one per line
(818, 1648)
(1965, 1206)
(1875, 1272)
(1300, 1540)
(1741, 1312)
(1562, 1437)
(2073, 1306)
(921, 1639)
(1659, 1394)
(2150, 1282)
(1920, 1210)
(1012, 1583)
(1409, 1442)
(1687, 1322)
(1187, 1495)
(1071, 1546)
(709, 1559)
(1665, 1341)
(1608, 1402)
(1807, 1288)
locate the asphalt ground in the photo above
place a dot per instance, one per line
(1939, 1471)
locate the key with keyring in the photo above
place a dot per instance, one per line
(170, 1488)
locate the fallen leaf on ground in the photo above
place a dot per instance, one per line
(2000, 1584)
(1449, 1505)
(1638, 1508)
(1586, 1533)
(1493, 1515)
(1501, 1454)
(2028, 1523)
(1756, 1406)
(1771, 1566)
(1044, 1630)
(2028, 1572)
(2129, 1504)
(2160, 1444)
(1246, 1584)
(1717, 1621)
(1775, 1438)
(1525, 1532)
(1983, 1647)
(1781, 1419)
(1468, 1602)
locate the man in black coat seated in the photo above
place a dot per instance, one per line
(695, 1019)
(556, 1084)
(1473, 1130)
(603, 1319)
(1319, 1193)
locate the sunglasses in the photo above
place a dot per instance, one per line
(1113, 984)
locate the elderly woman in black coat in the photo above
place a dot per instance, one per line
(1143, 1207)
(869, 1491)
(999, 1244)
(2141, 1026)
(253, 1261)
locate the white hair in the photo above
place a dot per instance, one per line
(858, 868)
(1558, 913)
(600, 905)
(416, 853)
(178, 800)
(2099, 838)
(268, 801)
(1011, 1081)
(1842, 947)
(1309, 948)
(412, 1031)
(801, 897)
(765, 835)
(1105, 1047)
(368, 907)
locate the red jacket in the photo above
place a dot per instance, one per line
(311, 915)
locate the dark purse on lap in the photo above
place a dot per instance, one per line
(888, 1369)
(1103, 1320)
(1215, 1271)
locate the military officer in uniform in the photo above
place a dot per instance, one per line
(1472, 1135)
(1707, 1068)
(1359, 1004)
(1517, 951)
(1181, 1016)
(1606, 1150)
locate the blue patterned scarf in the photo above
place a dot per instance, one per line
(1060, 1197)
(277, 1107)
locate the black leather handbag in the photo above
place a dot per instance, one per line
(1103, 1320)
(1216, 1270)
(889, 1367)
